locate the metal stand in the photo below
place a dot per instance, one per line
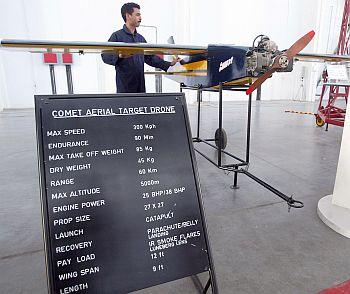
(239, 165)
(199, 286)
(329, 113)
(53, 80)
(158, 81)
(69, 78)
(258, 94)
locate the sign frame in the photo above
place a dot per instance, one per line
(40, 102)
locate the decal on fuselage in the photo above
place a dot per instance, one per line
(225, 64)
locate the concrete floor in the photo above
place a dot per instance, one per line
(257, 246)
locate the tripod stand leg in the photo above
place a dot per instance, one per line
(197, 283)
(199, 286)
(207, 286)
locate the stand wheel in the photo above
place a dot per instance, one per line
(319, 121)
(223, 138)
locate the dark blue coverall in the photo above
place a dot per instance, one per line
(130, 77)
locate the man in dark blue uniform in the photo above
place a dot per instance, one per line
(129, 69)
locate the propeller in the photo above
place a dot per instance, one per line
(282, 60)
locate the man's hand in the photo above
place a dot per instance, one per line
(124, 55)
(174, 61)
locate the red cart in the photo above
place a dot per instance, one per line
(333, 111)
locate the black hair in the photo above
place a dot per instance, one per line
(128, 8)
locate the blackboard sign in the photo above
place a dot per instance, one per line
(121, 202)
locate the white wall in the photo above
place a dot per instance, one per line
(191, 22)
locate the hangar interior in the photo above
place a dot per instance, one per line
(258, 245)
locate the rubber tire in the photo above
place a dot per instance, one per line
(223, 138)
(319, 121)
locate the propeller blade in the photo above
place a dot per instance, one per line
(290, 53)
(299, 45)
(260, 80)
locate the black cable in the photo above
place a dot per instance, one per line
(256, 38)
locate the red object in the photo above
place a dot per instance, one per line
(343, 288)
(67, 58)
(50, 58)
(329, 113)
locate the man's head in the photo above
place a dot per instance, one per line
(131, 14)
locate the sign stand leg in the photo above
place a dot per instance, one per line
(199, 286)
(207, 286)
(197, 283)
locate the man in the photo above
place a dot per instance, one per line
(129, 69)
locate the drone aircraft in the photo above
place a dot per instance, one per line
(201, 66)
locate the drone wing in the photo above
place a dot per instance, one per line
(322, 57)
(43, 46)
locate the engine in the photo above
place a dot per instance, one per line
(260, 57)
